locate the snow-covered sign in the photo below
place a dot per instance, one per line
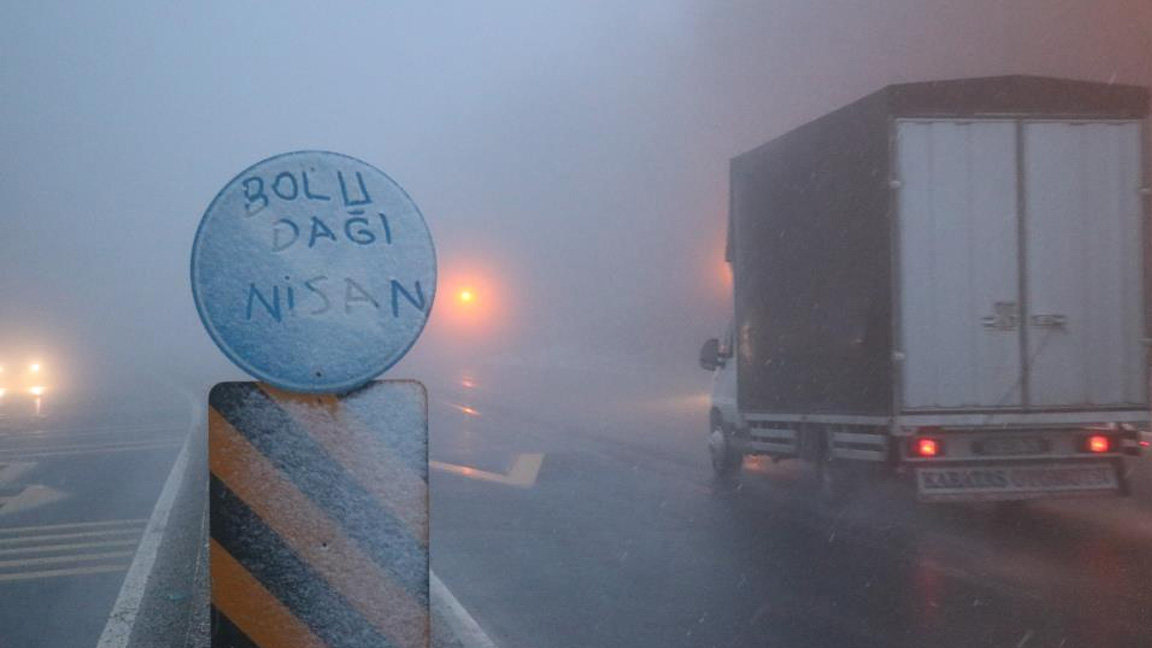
(313, 271)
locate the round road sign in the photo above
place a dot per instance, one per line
(313, 271)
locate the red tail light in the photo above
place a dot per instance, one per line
(1098, 443)
(927, 447)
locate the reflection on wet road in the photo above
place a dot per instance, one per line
(624, 539)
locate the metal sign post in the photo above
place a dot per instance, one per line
(314, 272)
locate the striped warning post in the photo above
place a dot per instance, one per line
(318, 512)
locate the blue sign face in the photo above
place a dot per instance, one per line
(313, 271)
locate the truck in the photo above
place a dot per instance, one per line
(943, 283)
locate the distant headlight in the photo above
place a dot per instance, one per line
(36, 391)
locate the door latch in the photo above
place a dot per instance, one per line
(1050, 320)
(1005, 318)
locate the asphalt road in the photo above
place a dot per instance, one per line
(621, 537)
(76, 488)
(594, 521)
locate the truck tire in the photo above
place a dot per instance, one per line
(726, 460)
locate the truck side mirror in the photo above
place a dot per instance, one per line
(710, 355)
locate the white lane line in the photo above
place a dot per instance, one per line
(470, 634)
(73, 525)
(66, 547)
(142, 447)
(55, 560)
(53, 573)
(67, 536)
(157, 445)
(118, 630)
(81, 432)
(55, 447)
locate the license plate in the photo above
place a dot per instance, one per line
(989, 481)
(1011, 446)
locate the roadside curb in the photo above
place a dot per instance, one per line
(464, 627)
(122, 619)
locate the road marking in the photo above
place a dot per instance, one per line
(67, 547)
(523, 473)
(106, 548)
(88, 431)
(55, 573)
(13, 471)
(55, 451)
(29, 498)
(67, 536)
(463, 625)
(72, 525)
(55, 560)
(118, 630)
(85, 446)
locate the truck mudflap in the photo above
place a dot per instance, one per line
(1018, 481)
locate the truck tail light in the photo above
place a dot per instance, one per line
(1098, 443)
(927, 447)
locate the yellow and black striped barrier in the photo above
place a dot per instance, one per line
(319, 516)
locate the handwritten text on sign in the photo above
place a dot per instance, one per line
(318, 259)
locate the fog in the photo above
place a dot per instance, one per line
(570, 160)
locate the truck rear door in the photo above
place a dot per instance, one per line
(991, 320)
(959, 252)
(1084, 250)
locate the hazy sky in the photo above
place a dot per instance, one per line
(570, 157)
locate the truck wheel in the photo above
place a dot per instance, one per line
(725, 459)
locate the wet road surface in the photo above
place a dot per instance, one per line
(76, 490)
(598, 523)
(623, 538)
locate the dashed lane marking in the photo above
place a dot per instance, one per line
(67, 450)
(56, 560)
(72, 525)
(57, 573)
(67, 547)
(88, 446)
(84, 433)
(68, 536)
